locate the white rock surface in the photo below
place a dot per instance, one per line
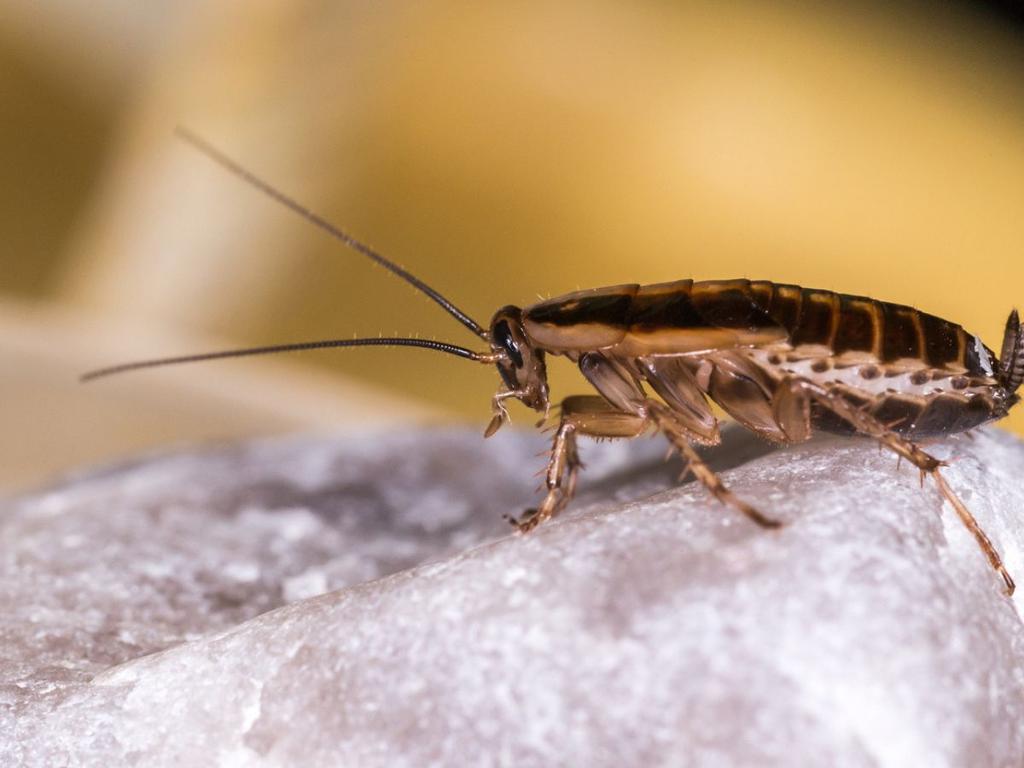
(412, 630)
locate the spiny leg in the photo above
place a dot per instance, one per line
(560, 479)
(867, 424)
(582, 414)
(678, 436)
(972, 525)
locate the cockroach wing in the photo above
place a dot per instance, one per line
(581, 321)
(685, 317)
(680, 317)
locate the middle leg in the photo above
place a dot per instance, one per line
(677, 435)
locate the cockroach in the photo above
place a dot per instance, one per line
(779, 359)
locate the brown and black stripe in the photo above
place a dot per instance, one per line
(846, 323)
(839, 323)
(889, 332)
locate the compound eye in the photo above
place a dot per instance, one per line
(508, 375)
(503, 337)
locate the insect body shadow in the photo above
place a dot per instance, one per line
(738, 448)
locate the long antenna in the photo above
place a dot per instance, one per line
(437, 346)
(335, 232)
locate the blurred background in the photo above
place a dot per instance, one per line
(501, 151)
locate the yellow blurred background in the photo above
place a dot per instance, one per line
(501, 151)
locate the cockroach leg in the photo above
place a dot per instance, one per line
(979, 535)
(677, 436)
(500, 413)
(868, 425)
(595, 417)
(583, 414)
(560, 478)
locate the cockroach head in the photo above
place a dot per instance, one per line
(520, 364)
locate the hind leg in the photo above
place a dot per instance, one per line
(867, 424)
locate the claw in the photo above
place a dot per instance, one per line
(763, 520)
(525, 523)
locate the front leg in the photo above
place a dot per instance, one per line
(580, 414)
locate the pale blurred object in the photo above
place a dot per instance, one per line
(52, 423)
(107, 48)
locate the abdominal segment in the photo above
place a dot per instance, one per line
(687, 317)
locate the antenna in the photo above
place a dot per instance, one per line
(338, 234)
(437, 346)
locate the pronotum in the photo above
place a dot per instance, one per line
(780, 359)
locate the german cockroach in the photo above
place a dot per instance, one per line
(780, 359)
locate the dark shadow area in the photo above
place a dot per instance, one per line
(739, 446)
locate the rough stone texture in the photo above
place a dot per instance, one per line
(411, 629)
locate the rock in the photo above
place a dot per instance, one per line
(360, 602)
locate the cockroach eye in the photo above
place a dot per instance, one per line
(508, 375)
(503, 337)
